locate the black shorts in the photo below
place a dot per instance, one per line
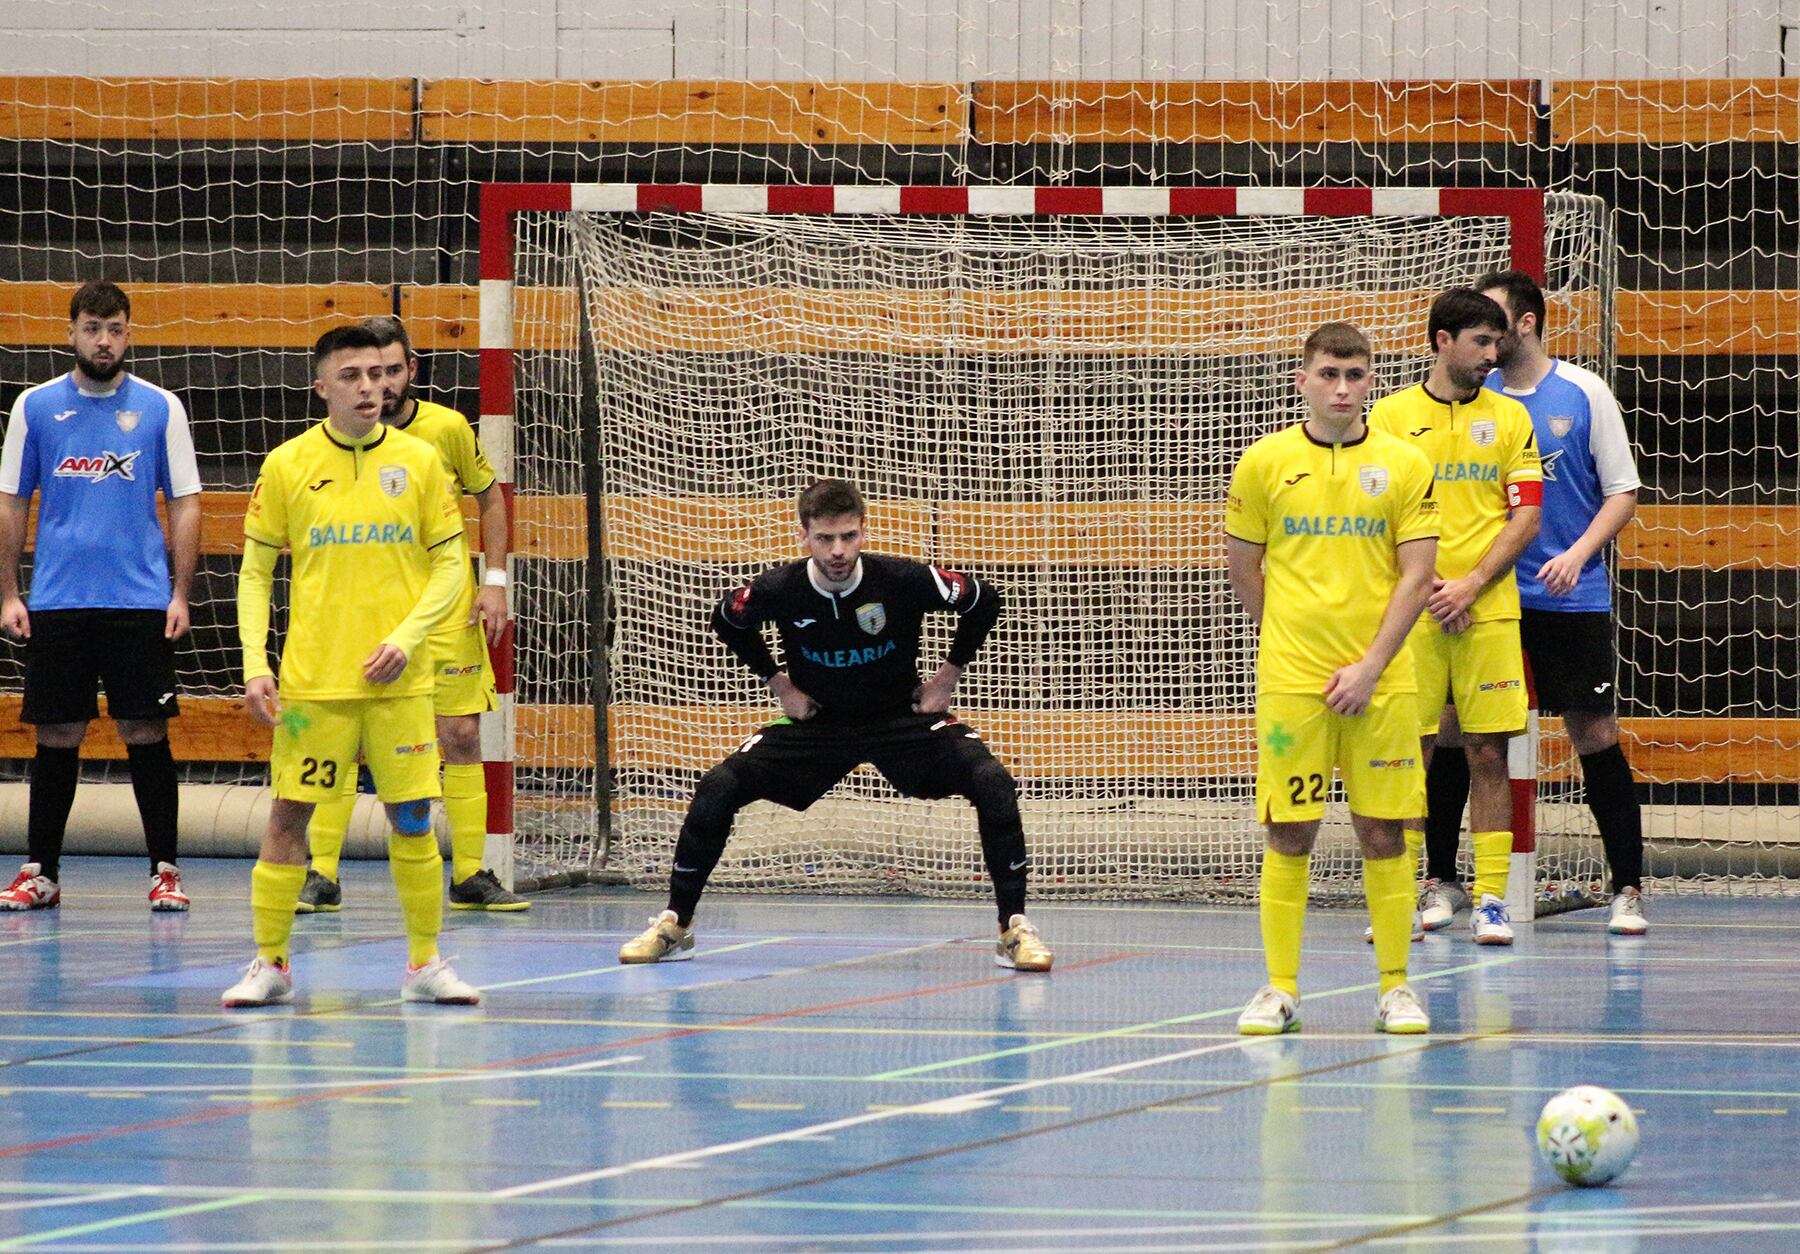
(921, 755)
(1573, 660)
(73, 653)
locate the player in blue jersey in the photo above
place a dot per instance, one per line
(97, 445)
(1565, 593)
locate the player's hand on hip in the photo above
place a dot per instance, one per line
(933, 696)
(262, 699)
(1560, 574)
(490, 605)
(177, 620)
(15, 619)
(1351, 688)
(794, 703)
(384, 665)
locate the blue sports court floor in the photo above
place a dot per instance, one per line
(852, 1074)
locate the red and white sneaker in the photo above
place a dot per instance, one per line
(165, 888)
(31, 891)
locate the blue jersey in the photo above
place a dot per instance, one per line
(98, 460)
(1587, 458)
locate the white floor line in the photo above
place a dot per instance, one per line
(949, 1105)
(615, 967)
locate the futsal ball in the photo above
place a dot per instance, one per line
(1587, 1134)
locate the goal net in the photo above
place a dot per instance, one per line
(1048, 388)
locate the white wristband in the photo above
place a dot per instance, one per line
(494, 579)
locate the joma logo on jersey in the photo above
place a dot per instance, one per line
(1334, 525)
(1458, 472)
(94, 469)
(360, 533)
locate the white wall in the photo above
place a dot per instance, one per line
(932, 40)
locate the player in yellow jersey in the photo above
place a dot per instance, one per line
(1330, 540)
(1466, 646)
(465, 678)
(378, 560)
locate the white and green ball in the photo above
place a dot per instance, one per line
(1587, 1134)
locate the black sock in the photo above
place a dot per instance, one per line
(158, 798)
(53, 777)
(1612, 796)
(1446, 795)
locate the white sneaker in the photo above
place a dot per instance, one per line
(1439, 902)
(1270, 1013)
(1400, 1012)
(30, 891)
(436, 982)
(1490, 922)
(1418, 930)
(1628, 914)
(264, 984)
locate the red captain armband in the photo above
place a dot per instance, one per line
(1528, 492)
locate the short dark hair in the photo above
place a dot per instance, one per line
(390, 330)
(1523, 295)
(101, 299)
(828, 498)
(1459, 309)
(1335, 339)
(336, 340)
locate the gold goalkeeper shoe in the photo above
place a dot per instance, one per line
(664, 940)
(1021, 948)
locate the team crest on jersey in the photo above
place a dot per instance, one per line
(128, 419)
(1373, 479)
(393, 480)
(1482, 431)
(1560, 425)
(872, 617)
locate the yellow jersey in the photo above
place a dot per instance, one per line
(361, 522)
(1485, 457)
(1329, 518)
(450, 434)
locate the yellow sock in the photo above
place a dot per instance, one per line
(1388, 888)
(274, 892)
(1282, 901)
(1493, 859)
(1415, 851)
(418, 873)
(325, 833)
(465, 808)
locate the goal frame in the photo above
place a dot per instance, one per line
(500, 204)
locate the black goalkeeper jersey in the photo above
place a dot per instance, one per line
(855, 652)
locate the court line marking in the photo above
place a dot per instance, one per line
(704, 1153)
(1741, 1110)
(128, 1221)
(1422, 1045)
(78, 1199)
(614, 968)
(178, 1040)
(1133, 1029)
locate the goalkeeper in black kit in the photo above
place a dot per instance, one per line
(849, 624)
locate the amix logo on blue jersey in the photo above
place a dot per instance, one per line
(849, 657)
(360, 533)
(1333, 525)
(1448, 472)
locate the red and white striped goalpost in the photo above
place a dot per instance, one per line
(1522, 207)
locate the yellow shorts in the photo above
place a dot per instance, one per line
(1300, 740)
(316, 744)
(464, 677)
(1481, 671)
